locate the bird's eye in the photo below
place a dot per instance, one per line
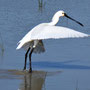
(63, 13)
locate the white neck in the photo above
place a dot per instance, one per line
(55, 20)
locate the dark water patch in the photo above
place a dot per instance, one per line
(59, 65)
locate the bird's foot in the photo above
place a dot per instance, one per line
(24, 69)
(30, 70)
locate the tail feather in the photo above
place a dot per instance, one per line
(19, 45)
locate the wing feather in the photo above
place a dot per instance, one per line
(56, 32)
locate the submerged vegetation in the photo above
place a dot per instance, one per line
(41, 4)
(1, 46)
(77, 85)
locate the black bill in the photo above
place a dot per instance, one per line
(73, 19)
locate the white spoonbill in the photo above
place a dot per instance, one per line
(33, 39)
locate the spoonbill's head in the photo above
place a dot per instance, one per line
(61, 13)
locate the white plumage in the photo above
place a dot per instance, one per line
(45, 31)
(54, 32)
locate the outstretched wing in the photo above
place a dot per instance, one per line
(44, 31)
(56, 32)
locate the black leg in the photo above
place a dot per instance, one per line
(26, 59)
(30, 69)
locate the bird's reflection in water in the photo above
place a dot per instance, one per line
(33, 81)
(36, 80)
(29, 81)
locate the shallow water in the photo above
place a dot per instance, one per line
(66, 60)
